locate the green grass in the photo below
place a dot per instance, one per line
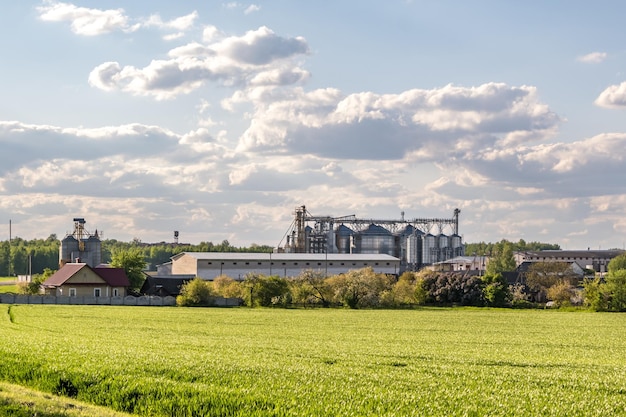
(262, 362)
(9, 289)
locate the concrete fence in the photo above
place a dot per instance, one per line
(112, 301)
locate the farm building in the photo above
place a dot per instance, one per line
(209, 265)
(164, 285)
(81, 280)
(596, 260)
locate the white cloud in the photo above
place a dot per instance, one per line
(592, 58)
(85, 21)
(91, 22)
(424, 124)
(613, 97)
(259, 57)
(251, 9)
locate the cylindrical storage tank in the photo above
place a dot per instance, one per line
(376, 239)
(456, 245)
(413, 249)
(93, 247)
(429, 249)
(68, 246)
(442, 244)
(343, 238)
(400, 243)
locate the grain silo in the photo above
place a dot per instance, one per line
(81, 246)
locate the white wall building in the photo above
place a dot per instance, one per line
(209, 265)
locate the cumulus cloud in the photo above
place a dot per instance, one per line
(425, 124)
(91, 22)
(258, 57)
(592, 58)
(85, 21)
(613, 97)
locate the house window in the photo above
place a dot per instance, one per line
(72, 292)
(96, 292)
(115, 292)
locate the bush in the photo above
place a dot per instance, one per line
(496, 291)
(195, 293)
(561, 293)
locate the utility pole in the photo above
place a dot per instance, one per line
(10, 238)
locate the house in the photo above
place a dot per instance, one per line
(164, 285)
(81, 280)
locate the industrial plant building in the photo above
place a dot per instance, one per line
(415, 242)
(80, 246)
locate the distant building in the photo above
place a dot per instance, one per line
(164, 285)
(596, 260)
(461, 263)
(80, 246)
(210, 265)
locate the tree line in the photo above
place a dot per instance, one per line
(20, 256)
(361, 288)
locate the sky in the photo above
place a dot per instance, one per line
(218, 119)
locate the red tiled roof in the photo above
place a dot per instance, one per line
(115, 277)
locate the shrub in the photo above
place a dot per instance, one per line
(561, 293)
(195, 293)
(496, 290)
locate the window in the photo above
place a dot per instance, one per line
(96, 292)
(72, 292)
(115, 292)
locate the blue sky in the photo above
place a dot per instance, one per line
(217, 119)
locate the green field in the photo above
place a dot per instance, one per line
(263, 362)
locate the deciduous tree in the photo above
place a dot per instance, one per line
(133, 263)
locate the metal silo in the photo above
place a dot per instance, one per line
(443, 246)
(429, 249)
(456, 245)
(343, 237)
(376, 239)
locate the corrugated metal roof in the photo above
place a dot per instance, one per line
(245, 256)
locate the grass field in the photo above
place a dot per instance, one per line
(262, 362)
